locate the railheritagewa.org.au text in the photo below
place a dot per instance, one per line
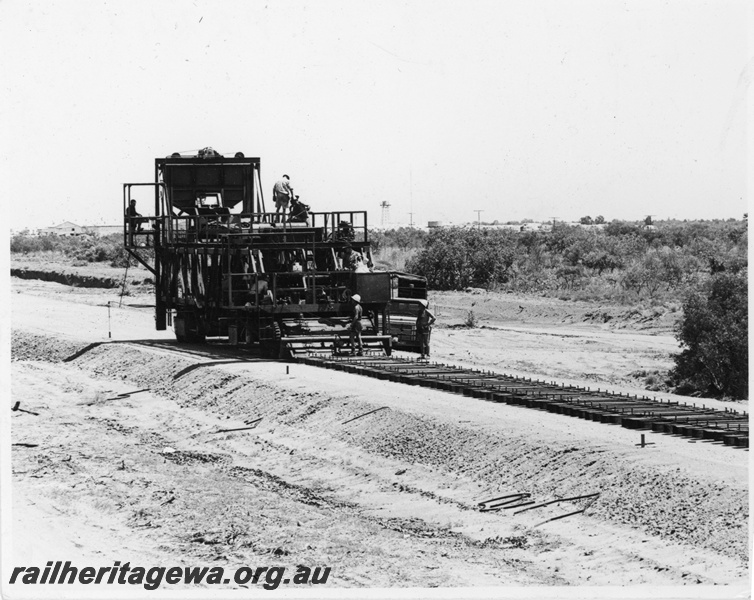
(151, 578)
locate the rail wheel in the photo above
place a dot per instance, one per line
(271, 347)
(199, 332)
(189, 328)
(179, 325)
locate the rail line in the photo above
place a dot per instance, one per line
(731, 427)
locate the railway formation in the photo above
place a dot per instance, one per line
(731, 427)
(288, 283)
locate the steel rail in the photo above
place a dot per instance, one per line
(729, 427)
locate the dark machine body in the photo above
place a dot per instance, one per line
(224, 266)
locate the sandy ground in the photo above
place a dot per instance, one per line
(388, 500)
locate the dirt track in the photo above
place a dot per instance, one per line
(386, 500)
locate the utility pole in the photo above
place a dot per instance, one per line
(479, 218)
(385, 213)
(411, 195)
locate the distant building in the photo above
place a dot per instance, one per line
(520, 226)
(100, 230)
(532, 226)
(508, 226)
(64, 229)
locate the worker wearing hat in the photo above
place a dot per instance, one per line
(424, 322)
(355, 326)
(282, 194)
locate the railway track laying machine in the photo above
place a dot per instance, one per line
(225, 267)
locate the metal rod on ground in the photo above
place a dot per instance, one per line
(558, 500)
(118, 397)
(570, 514)
(255, 423)
(124, 394)
(491, 500)
(15, 408)
(365, 414)
(507, 505)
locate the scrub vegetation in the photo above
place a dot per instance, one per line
(621, 262)
(695, 268)
(78, 249)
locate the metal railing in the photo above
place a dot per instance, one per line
(208, 228)
(255, 290)
(244, 228)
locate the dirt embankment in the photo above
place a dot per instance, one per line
(29, 346)
(85, 275)
(404, 470)
(496, 309)
(75, 279)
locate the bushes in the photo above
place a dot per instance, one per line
(80, 249)
(24, 244)
(713, 332)
(393, 248)
(404, 238)
(455, 258)
(623, 262)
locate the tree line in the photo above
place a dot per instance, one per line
(621, 262)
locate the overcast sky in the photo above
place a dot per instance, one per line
(521, 109)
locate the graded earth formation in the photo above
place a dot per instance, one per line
(129, 446)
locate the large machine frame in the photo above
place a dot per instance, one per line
(224, 266)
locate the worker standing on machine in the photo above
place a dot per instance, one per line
(356, 327)
(134, 221)
(133, 217)
(424, 322)
(282, 194)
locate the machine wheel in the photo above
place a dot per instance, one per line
(271, 348)
(179, 326)
(199, 335)
(190, 328)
